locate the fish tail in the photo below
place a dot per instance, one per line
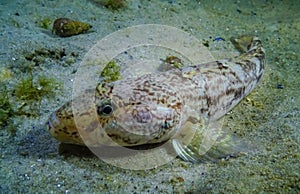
(245, 43)
(253, 53)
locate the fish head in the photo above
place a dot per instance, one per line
(134, 116)
(128, 113)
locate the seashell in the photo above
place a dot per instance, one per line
(65, 27)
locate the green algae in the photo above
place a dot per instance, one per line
(171, 62)
(174, 62)
(40, 55)
(114, 4)
(30, 90)
(5, 75)
(29, 93)
(43, 56)
(45, 23)
(14, 23)
(6, 109)
(111, 72)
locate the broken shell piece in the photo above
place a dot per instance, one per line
(65, 27)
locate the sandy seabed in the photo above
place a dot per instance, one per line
(269, 117)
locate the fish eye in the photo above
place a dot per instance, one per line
(105, 110)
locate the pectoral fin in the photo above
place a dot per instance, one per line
(209, 142)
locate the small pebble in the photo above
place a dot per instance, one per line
(279, 86)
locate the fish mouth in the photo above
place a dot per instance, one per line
(52, 123)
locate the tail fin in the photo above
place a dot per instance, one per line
(253, 53)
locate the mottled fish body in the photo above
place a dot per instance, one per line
(151, 108)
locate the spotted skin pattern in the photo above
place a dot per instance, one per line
(151, 108)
